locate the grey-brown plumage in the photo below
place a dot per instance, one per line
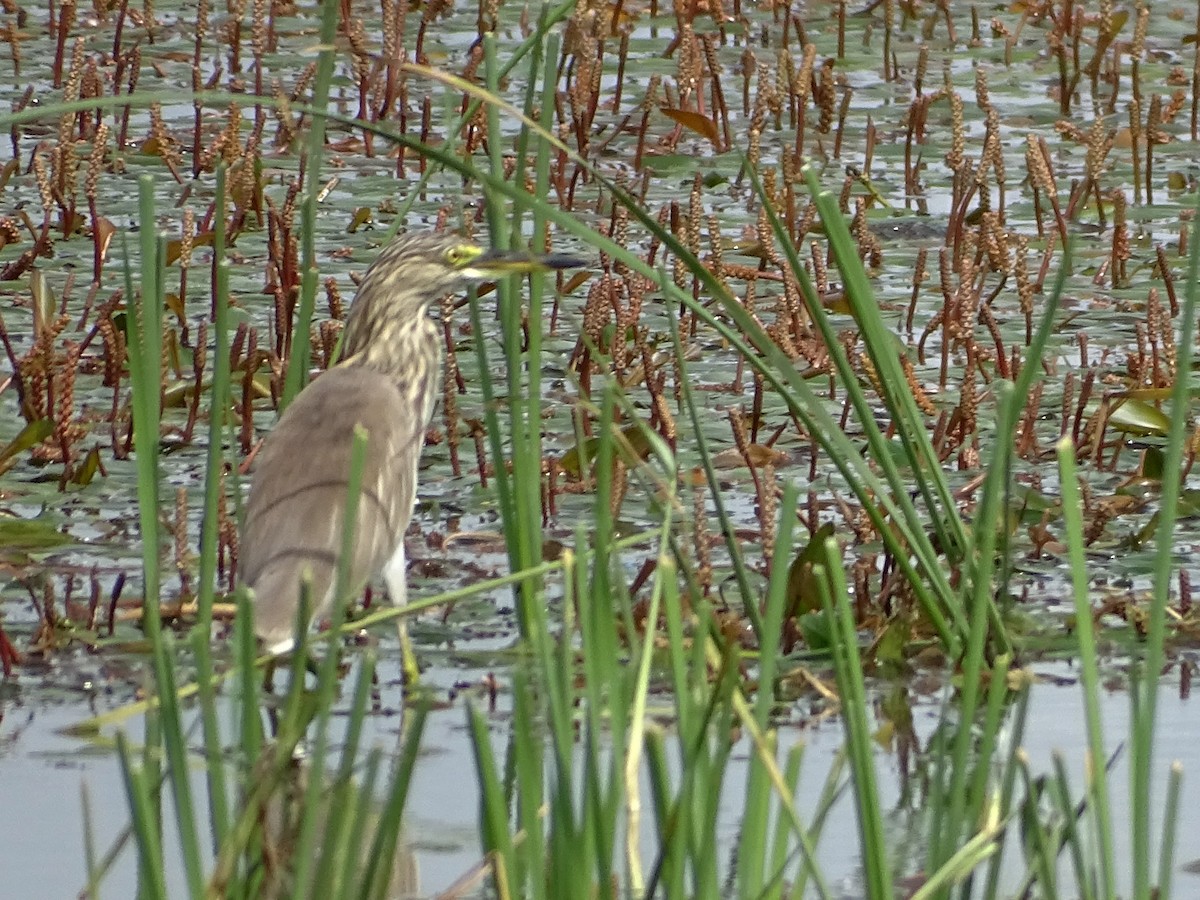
(387, 382)
(294, 517)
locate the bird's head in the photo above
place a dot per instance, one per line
(416, 270)
(420, 267)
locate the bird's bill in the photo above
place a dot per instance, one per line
(491, 264)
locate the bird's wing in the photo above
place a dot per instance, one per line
(298, 495)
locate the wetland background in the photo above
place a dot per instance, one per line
(838, 483)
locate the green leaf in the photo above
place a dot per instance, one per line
(1132, 416)
(1152, 464)
(635, 439)
(87, 471)
(29, 436)
(802, 592)
(815, 628)
(30, 534)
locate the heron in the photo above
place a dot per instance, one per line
(386, 382)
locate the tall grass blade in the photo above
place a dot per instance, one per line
(214, 769)
(753, 847)
(144, 321)
(378, 873)
(300, 352)
(218, 415)
(831, 584)
(1166, 853)
(171, 721)
(94, 871)
(140, 792)
(492, 809)
(1099, 811)
(1143, 721)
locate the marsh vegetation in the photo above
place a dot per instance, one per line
(871, 418)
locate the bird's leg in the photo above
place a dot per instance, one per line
(269, 676)
(408, 657)
(395, 575)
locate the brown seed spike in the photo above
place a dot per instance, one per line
(826, 96)
(956, 157)
(96, 163)
(1120, 243)
(1153, 121)
(982, 98)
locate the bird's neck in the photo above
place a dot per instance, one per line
(408, 352)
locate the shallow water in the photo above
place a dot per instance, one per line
(43, 772)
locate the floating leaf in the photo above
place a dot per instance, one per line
(694, 121)
(30, 535)
(102, 232)
(1149, 394)
(1132, 416)
(759, 455)
(10, 168)
(1117, 22)
(45, 305)
(1027, 498)
(175, 305)
(837, 302)
(179, 393)
(1152, 464)
(890, 647)
(362, 216)
(347, 145)
(29, 436)
(634, 438)
(754, 247)
(802, 592)
(173, 350)
(575, 281)
(72, 222)
(87, 470)
(668, 165)
(175, 246)
(1187, 508)
(1189, 504)
(1147, 532)
(818, 635)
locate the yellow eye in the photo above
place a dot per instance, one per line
(457, 257)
